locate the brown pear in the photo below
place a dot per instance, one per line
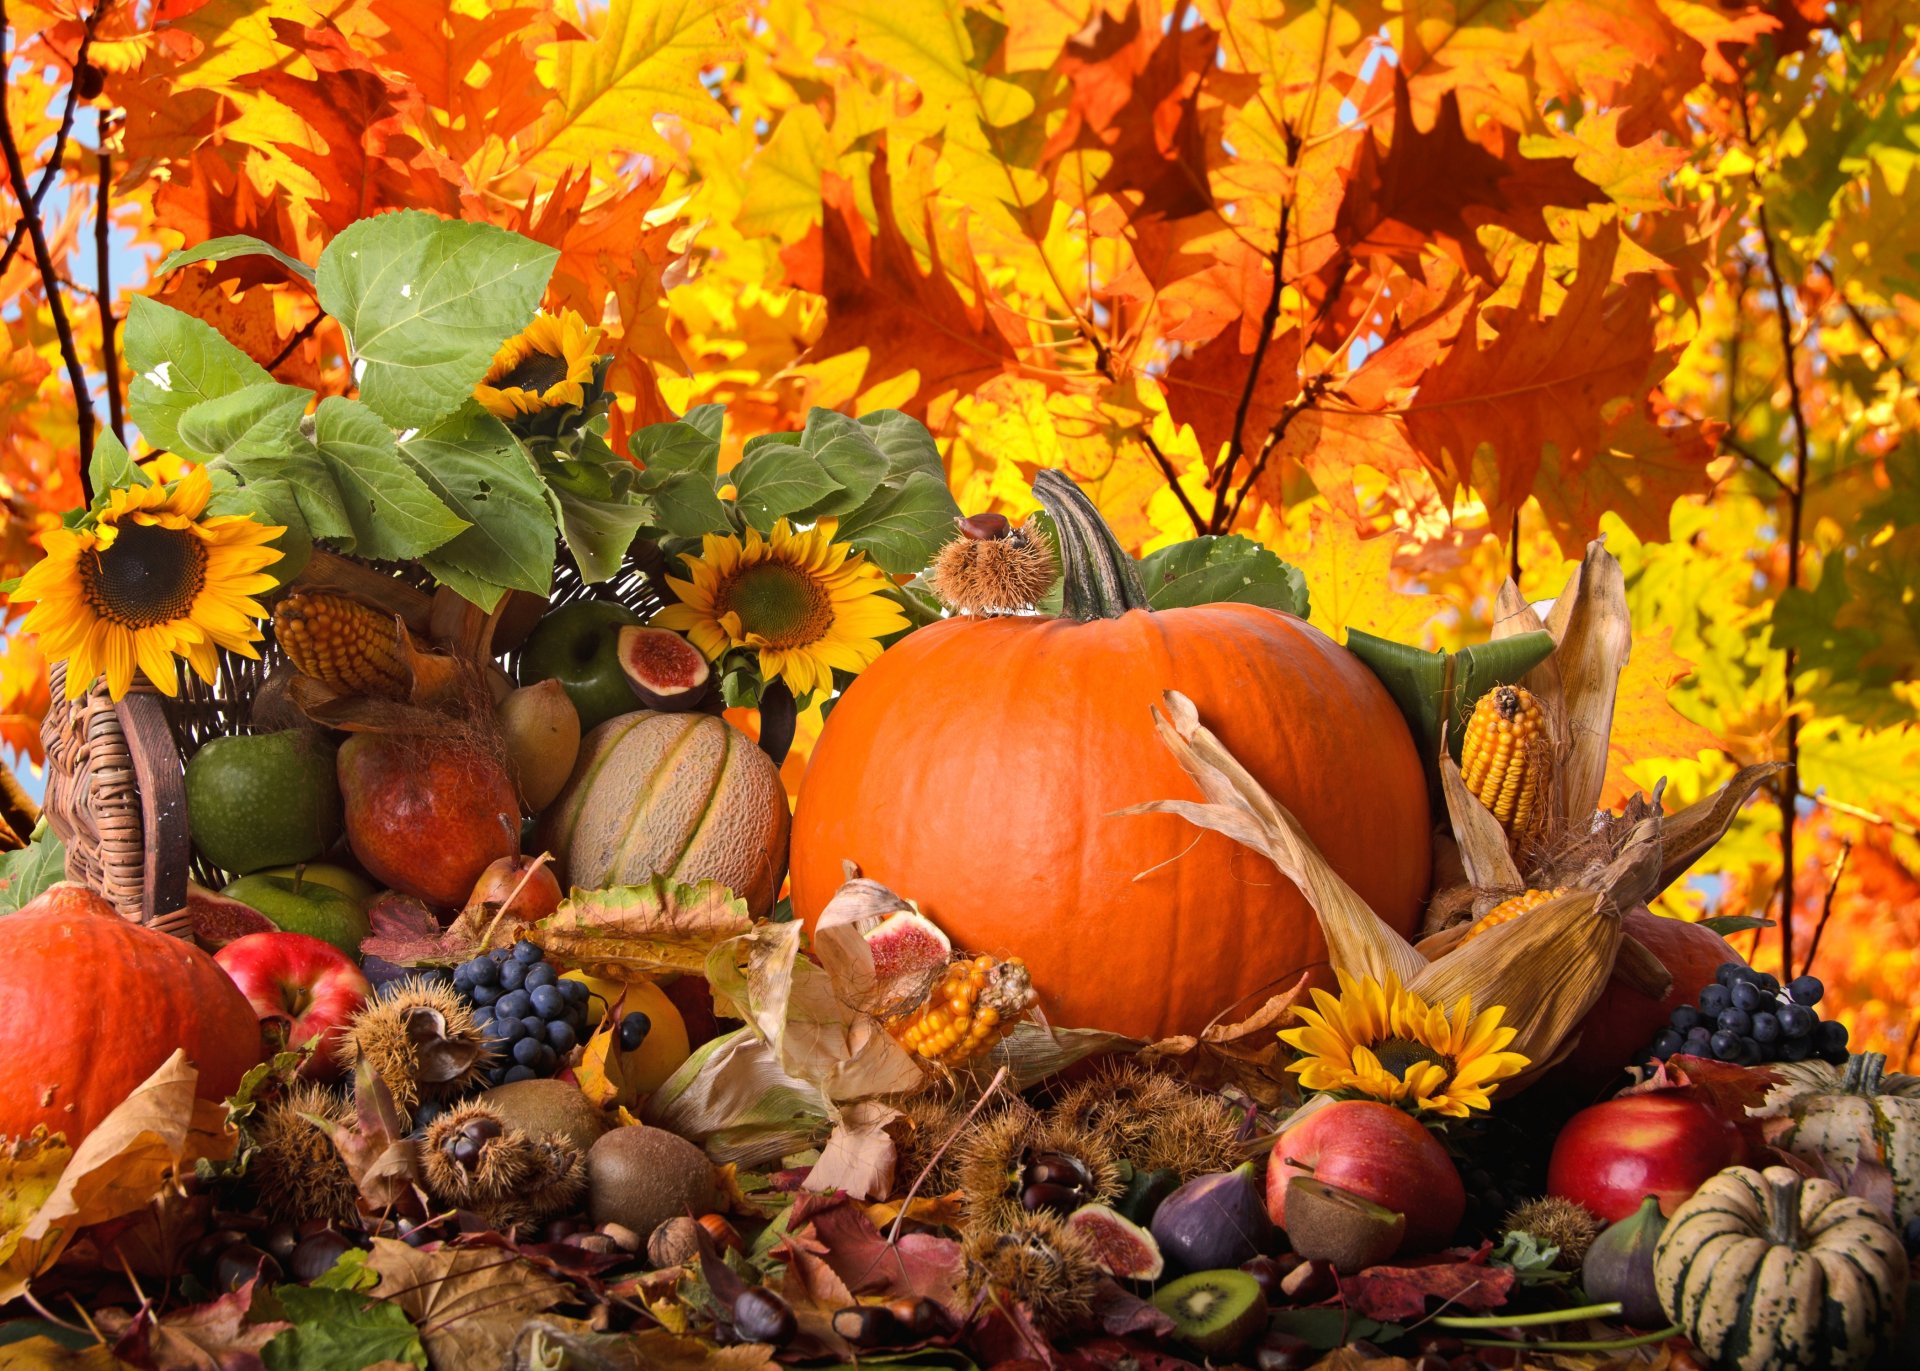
(542, 729)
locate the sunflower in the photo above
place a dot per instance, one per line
(151, 580)
(1387, 1043)
(545, 365)
(808, 604)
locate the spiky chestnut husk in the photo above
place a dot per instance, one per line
(1039, 1261)
(506, 1177)
(927, 1119)
(1153, 1119)
(1194, 1134)
(1555, 1222)
(417, 1055)
(296, 1171)
(994, 1156)
(990, 574)
(1116, 1102)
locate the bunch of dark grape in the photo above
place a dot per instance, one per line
(1747, 1019)
(532, 1018)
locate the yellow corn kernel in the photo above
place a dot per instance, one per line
(342, 642)
(976, 1004)
(1507, 910)
(1503, 758)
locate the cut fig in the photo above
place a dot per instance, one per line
(1121, 1248)
(218, 920)
(1338, 1226)
(907, 945)
(667, 672)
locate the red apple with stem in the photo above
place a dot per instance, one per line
(1611, 1156)
(311, 984)
(1379, 1153)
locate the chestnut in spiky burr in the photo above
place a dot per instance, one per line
(296, 1171)
(421, 1040)
(993, 567)
(474, 1160)
(1039, 1261)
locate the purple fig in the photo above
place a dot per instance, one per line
(1214, 1221)
(1619, 1265)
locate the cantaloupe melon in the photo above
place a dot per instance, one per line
(686, 796)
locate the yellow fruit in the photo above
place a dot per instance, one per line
(630, 1076)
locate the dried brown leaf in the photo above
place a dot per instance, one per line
(118, 1168)
(468, 1302)
(1688, 834)
(1483, 843)
(858, 1156)
(215, 1336)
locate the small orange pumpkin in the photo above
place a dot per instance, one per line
(976, 768)
(91, 1005)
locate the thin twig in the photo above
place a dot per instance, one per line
(1789, 787)
(1826, 908)
(305, 332)
(43, 259)
(1269, 318)
(103, 284)
(1173, 482)
(1753, 459)
(1315, 387)
(52, 168)
(1859, 317)
(1857, 812)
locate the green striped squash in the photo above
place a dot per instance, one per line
(1841, 1116)
(686, 796)
(1770, 1271)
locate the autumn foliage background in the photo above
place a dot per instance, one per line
(1417, 293)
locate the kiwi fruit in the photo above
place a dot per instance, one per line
(1340, 1227)
(641, 1177)
(1214, 1312)
(543, 1106)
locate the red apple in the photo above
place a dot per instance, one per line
(502, 881)
(1379, 1153)
(312, 984)
(1612, 1156)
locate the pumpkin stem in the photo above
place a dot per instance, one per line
(1783, 1194)
(1100, 581)
(1863, 1073)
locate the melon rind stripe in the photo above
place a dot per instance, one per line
(580, 786)
(707, 810)
(669, 757)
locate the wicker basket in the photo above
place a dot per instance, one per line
(116, 791)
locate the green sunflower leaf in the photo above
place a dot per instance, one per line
(472, 462)
(27, 872)
(903, 525)
(113, 468)
(176, 362)
(394, 514)
(225, 249)
(682, 461)
(1210, 570)
(426, 302)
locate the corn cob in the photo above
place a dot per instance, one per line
(975, 1005)
(1509, 909)
(1503, 757)
(342, 642)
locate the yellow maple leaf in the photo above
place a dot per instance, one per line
(1646, 726)
(1350, 584)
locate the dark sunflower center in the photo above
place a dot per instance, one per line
(535, 372)
(785, 606)
(150, 575)
(1401, 1055)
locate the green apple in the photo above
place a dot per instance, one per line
(578, 645)
(300, 904)
(256, 800)
(321, 873)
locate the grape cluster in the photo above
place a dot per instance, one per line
(532, 1018)
(1745, 1018)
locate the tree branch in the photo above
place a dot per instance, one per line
(43, 257)
(304, 332)
(52, 169)
(1788, 792)
(1173, 483)
(1269, 317)
(103, 284)
(1826, 907)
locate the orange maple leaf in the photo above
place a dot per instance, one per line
(1646, 726)
(879, 298)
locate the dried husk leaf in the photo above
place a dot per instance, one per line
(636, 930)
(1358, 941)
(1513, 616)
(1032, 1051)
(1641, 970)
(1483, 843)
(1545, 970)
(1691, 832)
(1594, 629)
(734, 1099)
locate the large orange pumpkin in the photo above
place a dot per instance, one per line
(91, 1005)
(976, 766)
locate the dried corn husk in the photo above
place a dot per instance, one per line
(1545, 970)
(1594, 630)
(1483, 842)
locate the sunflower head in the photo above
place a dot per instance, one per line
(1383, 1042)
(151, 578)
(547, 365)
(806, 604)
